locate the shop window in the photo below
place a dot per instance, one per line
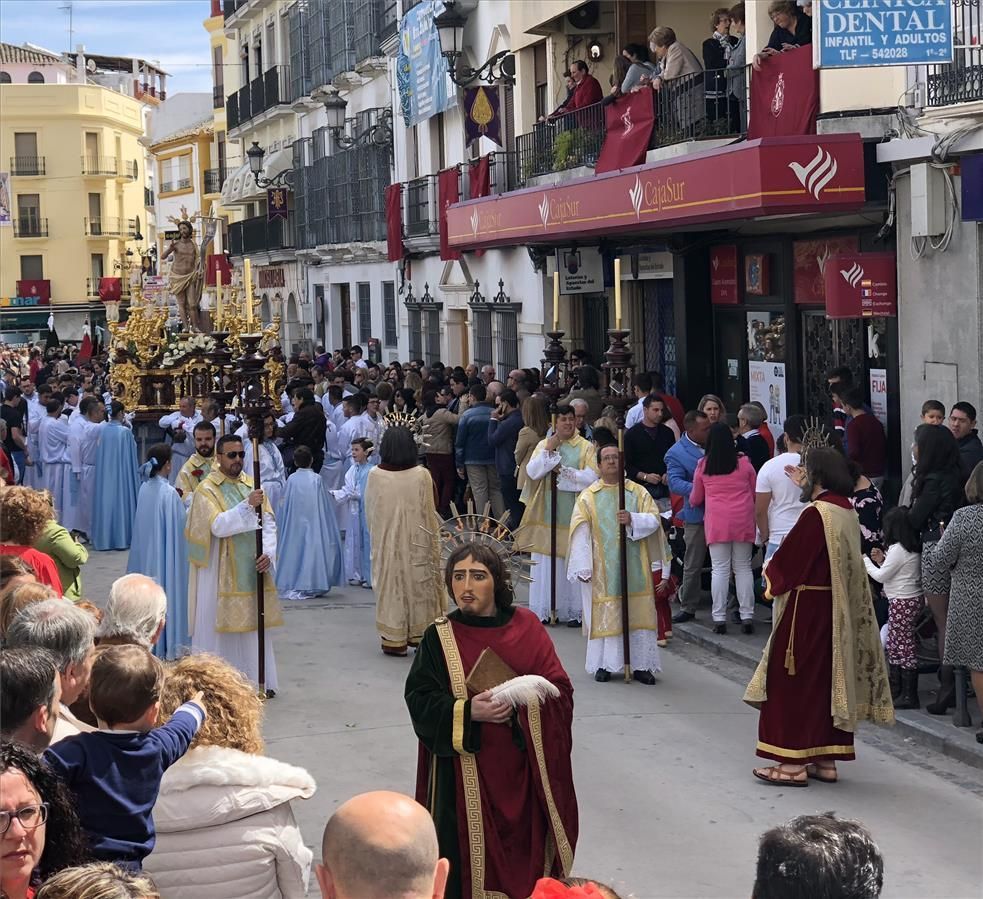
(389, 309)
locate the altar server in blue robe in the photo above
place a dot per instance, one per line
(358, 545)
(160, 549)
(117, 484)
(310, 560)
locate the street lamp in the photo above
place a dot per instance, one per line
(379, 133)
(255, 156)
(450, 30)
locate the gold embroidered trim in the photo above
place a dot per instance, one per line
(457, 731)
(469, 768)
(563, 842)
(806, 753)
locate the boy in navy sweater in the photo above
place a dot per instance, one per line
(115, 772)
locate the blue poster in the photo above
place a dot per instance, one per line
(425, 88)
(851, 33)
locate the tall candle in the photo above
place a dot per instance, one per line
(249, 292)
(556, 301)
(218, 297)
(617, 292)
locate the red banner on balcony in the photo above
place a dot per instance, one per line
(723, 275)
(217, 261)
(861, 285)
(785, 97)
(39, 290)
(628, 122)
(448, 192)
(394, 221)
(479, 178)
(110, 289)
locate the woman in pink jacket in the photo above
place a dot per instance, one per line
(724, 484)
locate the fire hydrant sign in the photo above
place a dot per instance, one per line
(851, 33)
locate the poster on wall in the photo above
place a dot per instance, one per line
(581, 270)
(767, 386)
(425, 87)
(878, 394)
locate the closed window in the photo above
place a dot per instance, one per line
(35, 78)
(540, 78)
(5, 78)
(29, 213)
(364, 311)
(389, 308)
(32, 268)
(175, 174)
(97, 267)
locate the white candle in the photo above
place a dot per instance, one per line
(218, 296)
(249, 292)
(617, 292)
(556, 301)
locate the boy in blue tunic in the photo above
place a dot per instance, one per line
(358, 545)
(115, 771)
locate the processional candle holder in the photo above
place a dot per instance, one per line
(223, 376)
(619, 371)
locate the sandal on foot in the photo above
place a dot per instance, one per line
(822, 773)
(778, 777)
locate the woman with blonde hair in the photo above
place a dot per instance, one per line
(100, 880)
(535, 423)
(225, 826)
(24, 513)
(712, 406)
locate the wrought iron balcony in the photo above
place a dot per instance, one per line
(129, 171)
(110, 227)
(960, 81)
(257, 235)
(232, 111)
(30, 226)
(92, 288)
(27, 165)
(170, 187)
(420, 207)
(563, 142)
(107, 166)
(264, 92)
(218, 96)
(213, 181)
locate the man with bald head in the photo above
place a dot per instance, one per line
(381, 846)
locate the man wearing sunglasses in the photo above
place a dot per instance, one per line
(221, 532)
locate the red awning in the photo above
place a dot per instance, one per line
(770, 176)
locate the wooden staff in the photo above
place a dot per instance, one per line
(553, 498)
(260, 578)
(623, 553)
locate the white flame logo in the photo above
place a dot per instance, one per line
(822, 259)
(715, 262)
(544, 211)
(627, 122)
(635, 195)
(474, 222)
(817, 174)
(853, 274)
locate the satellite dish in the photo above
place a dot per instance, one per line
(91, 65)
(585, 16)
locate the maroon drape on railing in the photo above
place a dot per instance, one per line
(628, 122)
(394, 221)
(110, 289)
(40, 288)
(448, 192)
(784, 96)
(479, 178)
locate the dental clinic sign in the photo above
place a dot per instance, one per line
(851, 33)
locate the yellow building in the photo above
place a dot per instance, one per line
(73, 173)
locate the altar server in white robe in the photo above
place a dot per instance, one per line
(83, 446)
(221, 530)
(180, 428)
(53, 447)
(272, 471)
(36, 411)
(593, 566)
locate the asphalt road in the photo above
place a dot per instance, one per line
(668, 806)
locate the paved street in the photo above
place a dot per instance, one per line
(668, 806)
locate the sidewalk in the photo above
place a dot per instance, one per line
(934, 732)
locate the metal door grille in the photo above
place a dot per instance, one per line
(826, 344)
(507, 342)
(481, 321)
(432, 353)
(660, 331)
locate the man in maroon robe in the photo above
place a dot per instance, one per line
(497, 781)
(823, 669)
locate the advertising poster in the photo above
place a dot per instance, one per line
(878, 394)
(425, 88)
(767, 386)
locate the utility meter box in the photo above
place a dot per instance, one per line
(928, 200)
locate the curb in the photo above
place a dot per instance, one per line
(938, 734)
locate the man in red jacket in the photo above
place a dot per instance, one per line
(588, 90)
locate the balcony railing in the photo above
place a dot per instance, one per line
(564, 142)
(30, 226)
(213, 181)
(27, 165)
(92, 288)
(100, 165)
(257, 235)
(218, 96)
(170, 187)
(110, 227)
(502, 175)
(960, 81)
(148, 197)
(420, 207)
(129, 170)
(231, 7)
(262, 93)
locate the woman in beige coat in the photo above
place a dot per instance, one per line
(534, 427)
(681, 102)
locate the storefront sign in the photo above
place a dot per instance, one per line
(767, 386)
(723, 275)
(650, 266)
(271, 277)
(425, 88)
(849, 33)
(581, 270)
(21, 301)
(861, 285)
(810, 258)
(773, 176)
(878, 394)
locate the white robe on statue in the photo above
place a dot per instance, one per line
(239, 650)
(609, 652)
(53, 449)
(568, 602)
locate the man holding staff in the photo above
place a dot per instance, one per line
(573, 460)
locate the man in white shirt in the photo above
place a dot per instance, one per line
(180, 426)
(778, 503)
(357, 360)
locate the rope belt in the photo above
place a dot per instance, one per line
(790, 650)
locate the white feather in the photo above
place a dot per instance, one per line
(520, 691)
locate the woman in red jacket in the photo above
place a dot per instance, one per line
(23, 515)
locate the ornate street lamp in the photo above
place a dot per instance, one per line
(379, 133)
(450, 30)
(255, 156)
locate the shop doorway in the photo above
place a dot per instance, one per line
(659, 325)
(829, 343)
(596, 328)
